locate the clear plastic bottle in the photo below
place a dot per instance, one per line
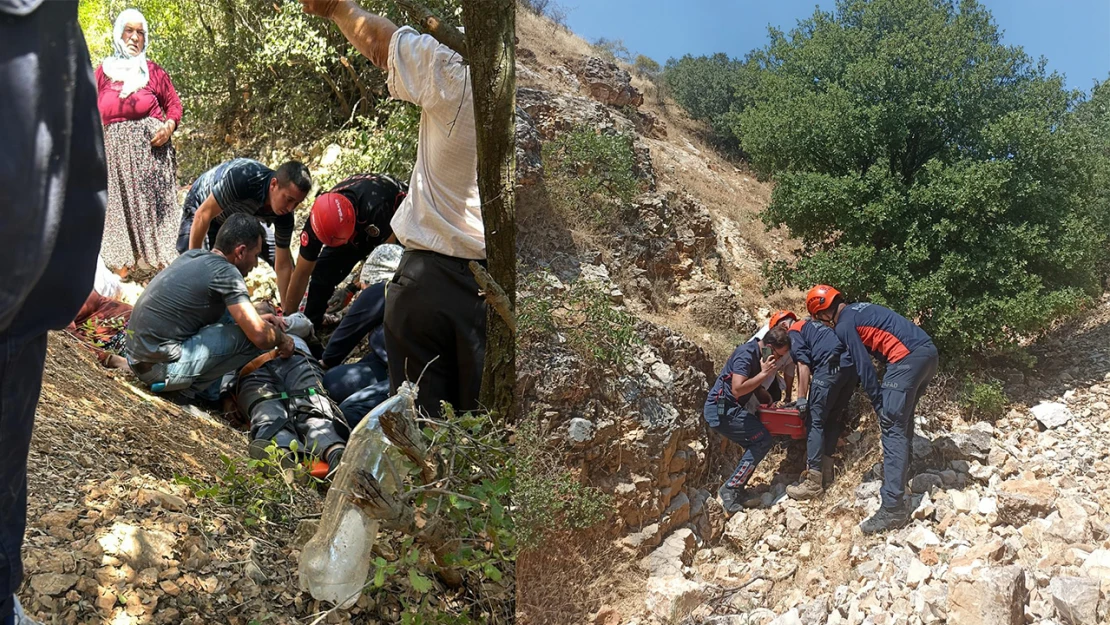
(336, 561)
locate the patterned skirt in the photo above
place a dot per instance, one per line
(140, 228)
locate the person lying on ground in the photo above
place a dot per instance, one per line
(435, 317)
(344, 226)
(781, 385)
(285, 400)
(726, 410)
(101, 325)
(245, 186)
(364, 319)
(826, 380)
(195, 321)
(872, 330)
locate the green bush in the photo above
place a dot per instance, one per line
(713, 89)
(583, 315)
(590, 174)
(983, 400)
(547, 497)
(256, 70)
(928, 167)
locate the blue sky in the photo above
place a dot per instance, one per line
(1074, 35)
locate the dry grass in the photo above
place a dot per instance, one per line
(572, 576)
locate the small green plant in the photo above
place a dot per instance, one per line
(591, 174)
(984, 400)
(548, 498)
(583, 314)
(260, 488)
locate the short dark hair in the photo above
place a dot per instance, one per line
(239, 229)
(296, 173)
(777, 337)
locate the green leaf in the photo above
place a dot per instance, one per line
(491, 572)
(419, 582)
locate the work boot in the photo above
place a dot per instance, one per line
(886, 519)
(827, 469)
(808, 487)
(736, 499)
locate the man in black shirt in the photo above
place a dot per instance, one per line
(243, 185)
(345, 225)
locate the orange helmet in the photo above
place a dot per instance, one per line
(820, 297)
(781, 316)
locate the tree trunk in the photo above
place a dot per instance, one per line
(490, 33)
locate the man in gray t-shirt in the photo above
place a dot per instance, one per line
(195, 321)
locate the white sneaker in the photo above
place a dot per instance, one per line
(21, 617)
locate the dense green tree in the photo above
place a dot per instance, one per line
(927, 166)
(713, 89)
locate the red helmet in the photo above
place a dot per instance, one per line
(781, 316)
(820, 297)
(333, 219)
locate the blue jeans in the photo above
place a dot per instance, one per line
(205, 357)
(364, 318)
(360, 403)
(745, 429)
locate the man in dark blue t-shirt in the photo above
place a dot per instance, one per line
(726, 412)
(243, 185)
(826, 379)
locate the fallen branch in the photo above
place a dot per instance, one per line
(431, 24)
(494, 295)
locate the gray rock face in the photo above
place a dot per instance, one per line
(994, 596)
(529, 159)
(607, 83)
(676, 551)
(1075, 598)
(968, 445)
(1051, 414)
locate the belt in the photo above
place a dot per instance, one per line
(253, 365)
(465, 262)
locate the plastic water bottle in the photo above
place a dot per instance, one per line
(336, 561)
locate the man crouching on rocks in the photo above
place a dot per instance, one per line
(195, 321)
(726, 409)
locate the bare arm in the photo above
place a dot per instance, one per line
(367, 32)
(283, 267)
(298, 282)
(263, 334)
(202, 220)
(742, 386)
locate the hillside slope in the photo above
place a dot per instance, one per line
(626, 321)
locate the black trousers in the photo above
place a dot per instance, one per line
(333, 264)
(53, 189)
(435, 325)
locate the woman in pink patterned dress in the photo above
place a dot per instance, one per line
(140, 111)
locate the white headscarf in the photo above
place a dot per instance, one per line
(132, 71)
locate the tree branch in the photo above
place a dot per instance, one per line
(430, 23)
(494, 294)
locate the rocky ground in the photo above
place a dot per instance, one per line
(1011, 523)
(134, 516)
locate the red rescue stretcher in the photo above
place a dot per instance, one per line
(782, 421)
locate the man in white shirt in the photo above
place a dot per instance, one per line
(781, 384)
(435, 319)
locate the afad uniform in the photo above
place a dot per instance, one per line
(375, 198)
(869, 329)
(728, 416)
(830, 390)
